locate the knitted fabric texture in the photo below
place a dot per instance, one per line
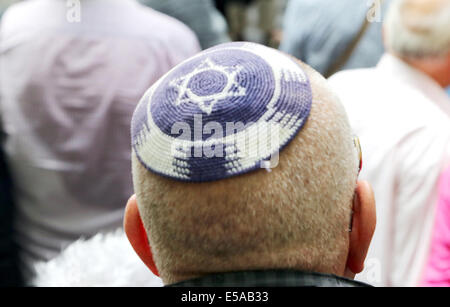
(227, 111)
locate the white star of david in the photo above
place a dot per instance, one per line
(207, 103)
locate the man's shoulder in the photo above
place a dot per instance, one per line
(168, 29)
(171, 26)
(360, 90)
(390, 113)
(356, 80)
(21, 7)
(371, 91)
(122, 19)
(354, 74)
(17, 14)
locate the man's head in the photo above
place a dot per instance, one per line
(418, 31)
(294, 216)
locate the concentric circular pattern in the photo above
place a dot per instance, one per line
(224, 87)
(208, 83)
(208, 118)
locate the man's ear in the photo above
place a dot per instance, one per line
(135, 231)
(363, 227)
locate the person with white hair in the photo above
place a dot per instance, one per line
(238, 217)
(401, 112)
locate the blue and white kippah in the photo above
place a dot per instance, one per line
(221, 113)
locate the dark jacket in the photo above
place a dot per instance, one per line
(270, 278)
(9, 269)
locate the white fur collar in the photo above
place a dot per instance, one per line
(102, 261)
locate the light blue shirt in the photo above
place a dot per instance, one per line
(200, 15)
(319, 31)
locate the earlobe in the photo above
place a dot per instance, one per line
(137, 235)
(363, 227)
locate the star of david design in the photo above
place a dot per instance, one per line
(206, 103)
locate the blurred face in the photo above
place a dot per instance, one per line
(438, 68)
(441, 70)
(446, 72)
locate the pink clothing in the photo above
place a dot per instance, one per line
(437, 272)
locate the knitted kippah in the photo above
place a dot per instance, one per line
(221, 113)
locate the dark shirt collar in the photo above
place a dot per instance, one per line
(270, 278)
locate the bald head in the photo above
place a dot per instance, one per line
(294, 216)
(418, 28)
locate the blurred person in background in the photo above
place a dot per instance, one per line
(71, 77)
(265, 19)
(401, 112)
(9, 266)
(236, 13)
(334, 35)
(437, 272)
(200, 15)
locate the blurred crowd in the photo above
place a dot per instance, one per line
(72, 73)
